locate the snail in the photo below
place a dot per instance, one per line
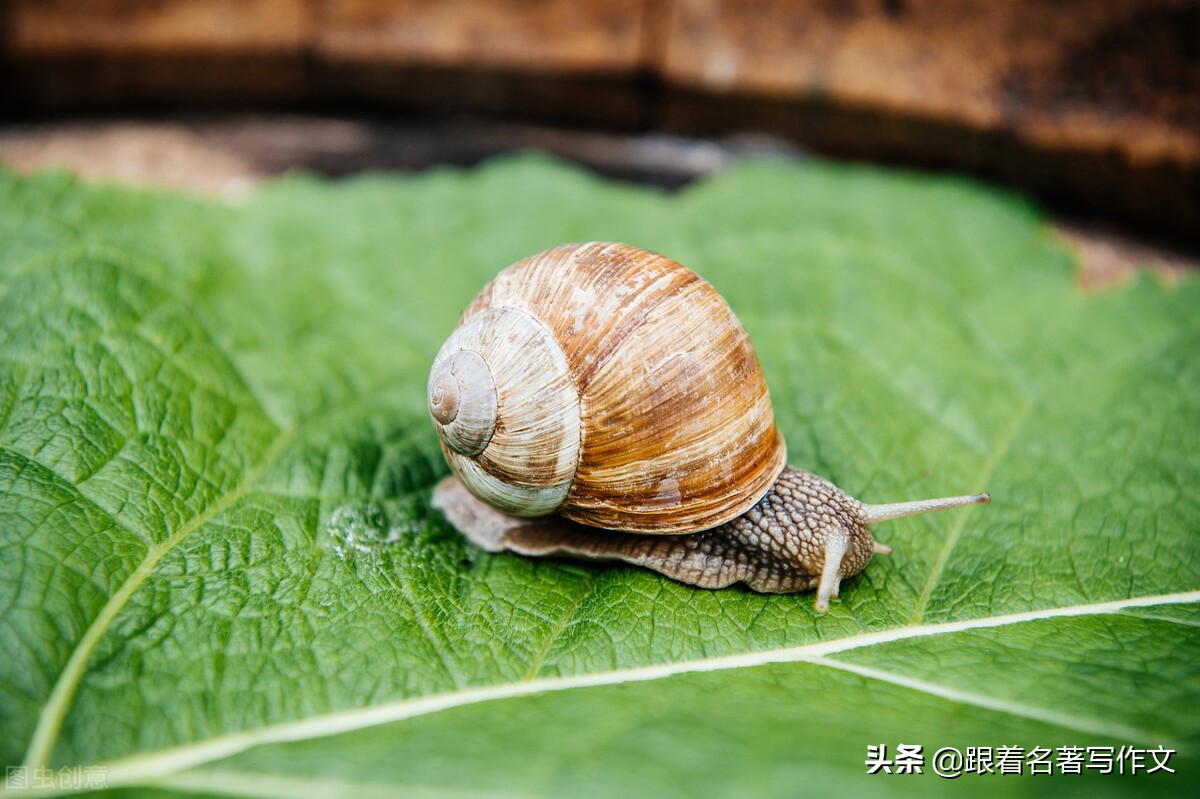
(600, 401)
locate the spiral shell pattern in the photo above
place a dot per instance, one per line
(626, 395)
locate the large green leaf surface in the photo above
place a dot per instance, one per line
(220, 574)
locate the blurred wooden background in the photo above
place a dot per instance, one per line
(1096, 104)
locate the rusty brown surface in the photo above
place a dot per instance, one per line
(519, 35)
(1119, 74)
(522, 35)
(39, 29)
(1095, 102)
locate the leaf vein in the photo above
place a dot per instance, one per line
(1071, 721)
(989, 467)
(29, 460)
(51, 718)
(143, 768)
(535, 666)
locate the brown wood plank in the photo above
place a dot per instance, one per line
(1092, 101)
(1118, 75)
(563, 36)
(40, 29)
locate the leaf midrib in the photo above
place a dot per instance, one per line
(140, 769)
(50, 720)
(53, 714)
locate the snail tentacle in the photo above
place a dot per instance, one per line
(604, 402)
(785, 544)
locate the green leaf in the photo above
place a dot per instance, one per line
(220, 574)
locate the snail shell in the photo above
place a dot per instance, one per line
(614, 387)
(610, 385)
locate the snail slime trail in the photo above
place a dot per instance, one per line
(360, 531)
(538, 397)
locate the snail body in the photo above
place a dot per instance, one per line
(601, 401)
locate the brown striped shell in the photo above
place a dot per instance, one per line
(608, 384)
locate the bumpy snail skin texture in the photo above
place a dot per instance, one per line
(804, 534)
(615, 389)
